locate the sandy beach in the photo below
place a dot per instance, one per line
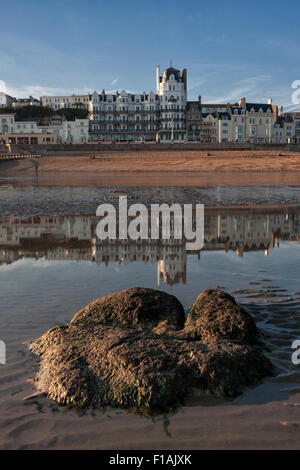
(189, 168)
(267, 417)
(188, 161)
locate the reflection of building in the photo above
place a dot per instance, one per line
(171, 267)
(72, 238)
(17, 231)
(250, 232)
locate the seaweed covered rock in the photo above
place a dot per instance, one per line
(215, 314)
(133, 349)
(135, 307)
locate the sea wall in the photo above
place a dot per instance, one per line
(152, 147)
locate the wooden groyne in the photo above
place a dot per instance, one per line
(18, 156)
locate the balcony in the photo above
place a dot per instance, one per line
(172, 119)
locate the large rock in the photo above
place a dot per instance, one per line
(215, 314)
(131, 349)
(136, 307)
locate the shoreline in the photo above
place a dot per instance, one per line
(151, 179)
(210, 210)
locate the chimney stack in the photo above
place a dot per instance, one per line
(184, 76)
(157, 78)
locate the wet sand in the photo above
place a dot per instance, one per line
(37, 198)
(265, 417)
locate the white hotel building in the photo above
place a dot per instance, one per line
(124, 116)
(142, 117)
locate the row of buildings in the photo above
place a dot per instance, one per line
(166, 115)
(7, 101)
(31, 131)
(73, 238)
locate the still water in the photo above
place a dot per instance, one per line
(51, 266)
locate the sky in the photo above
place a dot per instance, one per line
(231, 49)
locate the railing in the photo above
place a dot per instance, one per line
(172, 119)
(127, 131)
(131, 111)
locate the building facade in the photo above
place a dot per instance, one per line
(5, 100)
(124, 116)
(150, 116)
(31, 131)
(60, 102)
(293, 118)
(21, 102)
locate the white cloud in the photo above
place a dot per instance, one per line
(250, 88)
(38, 90)
(115, 81)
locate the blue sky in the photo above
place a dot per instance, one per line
(231, 49)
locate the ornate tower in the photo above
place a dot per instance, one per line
(172, 91)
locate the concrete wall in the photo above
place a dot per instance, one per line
(152, 147)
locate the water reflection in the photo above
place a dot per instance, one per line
(70, 238)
